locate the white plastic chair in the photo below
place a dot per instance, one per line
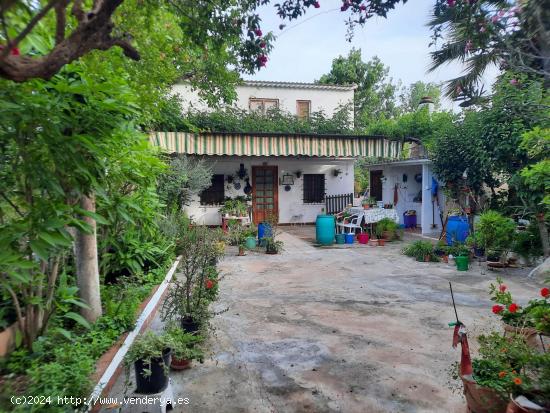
(353, 224)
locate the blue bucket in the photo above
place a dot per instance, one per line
(340, 238)
(349, 238)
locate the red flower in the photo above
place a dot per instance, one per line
(258, 32)
(502, 288)
(497, 309)
(316, 5)
(513, 307)
(209, 284)
(545, 292)
(262, 59)
(15, 51)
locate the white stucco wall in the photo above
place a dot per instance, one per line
(407, 191)
(321, 99)
(291, 206)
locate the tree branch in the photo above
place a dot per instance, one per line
(12, 205)
(61, 20)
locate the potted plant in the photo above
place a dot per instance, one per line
(272, 246)
(371, 201)
(379, 232)
(497, 372)
(345, 217)
(365, 203)
(184, 301)
(420, 250)
(518, 320)
(495, 232)
(184, 346)
(389, 228)
(150, 354)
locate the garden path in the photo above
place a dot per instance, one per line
(360, 329)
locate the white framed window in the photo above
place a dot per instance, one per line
(262, 105)
(303, 109)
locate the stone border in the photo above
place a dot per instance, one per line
(110, 364)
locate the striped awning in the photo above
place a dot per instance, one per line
(342, 146)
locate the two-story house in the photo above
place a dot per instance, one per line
(281, 174)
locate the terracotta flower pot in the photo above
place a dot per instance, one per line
(366, 207)
(530, 334)
(427, 258)
(445, 259)
(381, 242)
(373, 242)
(180, 364)
(481, 399)
(387, 235)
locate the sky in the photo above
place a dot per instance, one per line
(304, 50)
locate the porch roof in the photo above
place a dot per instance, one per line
(276, 144)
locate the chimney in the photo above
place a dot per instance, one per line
(426, 102)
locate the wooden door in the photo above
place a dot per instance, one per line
(376, 185)
(265, 197)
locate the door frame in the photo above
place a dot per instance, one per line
(378, 173)
(275, 169)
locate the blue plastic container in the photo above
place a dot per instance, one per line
(457, 229)
(349, 238)
(325, 228)
(340, 238)
(264, 230)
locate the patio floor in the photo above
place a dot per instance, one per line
(359, 329)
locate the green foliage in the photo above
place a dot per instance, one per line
(184, 346)
(375, 95)
(411, 96)
(419, 250)
(273, 246)
(185, 178)
(148, 347)
(232, 119)
(495, 231)
(527, 243)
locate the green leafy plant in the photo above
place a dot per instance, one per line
(149, 347)
(184, 346)
(495, 231)
(273, 246)
(420, 250)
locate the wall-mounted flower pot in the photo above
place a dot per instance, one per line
(157, 381)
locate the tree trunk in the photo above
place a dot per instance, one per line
(87, 270)
(543, 235)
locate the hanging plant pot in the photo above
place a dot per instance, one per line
(189, 325)
(157, 381)
(180, 364)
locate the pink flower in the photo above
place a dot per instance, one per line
(451, 3)
(262, 59)
(482, 29)
(494, 19)
(258, 32)
(502, 288)
(262, 45)
(362, 7)
(468, 46)
(316, 5)
(514, 82)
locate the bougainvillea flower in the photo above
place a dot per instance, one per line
(497, 309)
(545, 292)
(513, 307)
(262, 45)
(502, 374)
(363, 7)
(451, 3)
(502, 288)
(258, 32)
(517, 381)
(209, 284)
(316, 5)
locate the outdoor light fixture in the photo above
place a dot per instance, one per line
(287, 179)
(241, 173)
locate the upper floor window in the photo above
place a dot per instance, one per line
(262, 105)
(303, 109)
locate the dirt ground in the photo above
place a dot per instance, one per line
(338, 329)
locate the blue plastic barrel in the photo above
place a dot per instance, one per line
(325, 228)
(264, 230)
(457, 229)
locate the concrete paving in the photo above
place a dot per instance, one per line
(338, 329)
